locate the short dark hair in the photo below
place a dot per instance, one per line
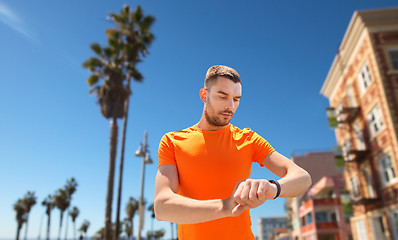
(221, 71)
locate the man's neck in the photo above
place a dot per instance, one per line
(206, 126)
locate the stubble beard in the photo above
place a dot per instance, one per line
(214, 120)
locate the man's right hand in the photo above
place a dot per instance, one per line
(249, 193)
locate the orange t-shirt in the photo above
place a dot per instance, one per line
(210, 164)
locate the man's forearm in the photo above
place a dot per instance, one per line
(175, 208)
(294, 183)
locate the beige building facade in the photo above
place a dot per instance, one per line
(362, 88)
(318, 165)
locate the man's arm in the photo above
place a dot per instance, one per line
(294, 181)
(169, 206)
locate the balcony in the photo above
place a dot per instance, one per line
(365, 200)
(346, 115)
(341, 115)
(351, 154)
(326, 201)
(327, 225)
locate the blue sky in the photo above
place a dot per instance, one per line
(52, 129)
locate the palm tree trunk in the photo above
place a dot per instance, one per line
(48, 226)
(41, 221)
(26, 226)
(119, 194)
(172, 232)
(19, 226)
(111, 176)
(66, 226)
(132, 229)
(74, 230)
(60, 225)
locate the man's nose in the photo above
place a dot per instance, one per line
(230, 105)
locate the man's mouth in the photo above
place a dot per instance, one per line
(226, 114)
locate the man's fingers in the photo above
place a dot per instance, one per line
(238, 192)
(244, 196)
(261, 190)
(253, 191)
(239, 209)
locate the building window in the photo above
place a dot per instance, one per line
(350, 95)
(326, 216)
(309, 218)
(354, 187)
(360, 137)
(321, 217)
(387, 169)
(369, 182)
(394, 59)
(361, 230)
(347, 146)
(303, 223)
(364, 77)
(394, 221)
(379, 228)
(375, 121)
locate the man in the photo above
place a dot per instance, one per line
(203, 179)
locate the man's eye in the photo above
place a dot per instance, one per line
(236, 100)
(223, 97)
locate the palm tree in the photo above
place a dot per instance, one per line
(135, 28)
(127, 228)
(21, 216)
(70, 188)
(158, 234)
(49, 204)
(131, 209)
(62, 203)
(152, 210)
(114, 65)
(101, 233)
(149, 234)
(73, 214)
(84, 227)
(29, 201)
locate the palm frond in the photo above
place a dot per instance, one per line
(96, 48)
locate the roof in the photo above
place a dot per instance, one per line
(370, 20)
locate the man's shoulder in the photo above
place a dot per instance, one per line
(178, 134)
(245, 131)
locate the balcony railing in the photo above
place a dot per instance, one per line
(327, 225)
(350, 154)
(346, 115)
(341, 114)
(326, 201)
(365, 200)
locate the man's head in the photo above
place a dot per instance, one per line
(221, 95)
(221, 71)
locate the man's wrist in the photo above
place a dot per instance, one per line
(225, 209)
(277, 188)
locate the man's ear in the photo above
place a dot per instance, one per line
(203, 94)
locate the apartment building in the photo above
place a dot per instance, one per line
(318, 165)
(266, 227)
(325, 215)
(362, 88)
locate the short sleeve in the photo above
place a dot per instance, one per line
(260, 148)
(166, 151)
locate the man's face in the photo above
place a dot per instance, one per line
(222, 100)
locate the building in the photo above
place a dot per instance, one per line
(266, 226)
(318, 165)
(281, 234)
(362, 88)
(325, 215)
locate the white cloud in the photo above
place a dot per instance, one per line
(12, 20)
